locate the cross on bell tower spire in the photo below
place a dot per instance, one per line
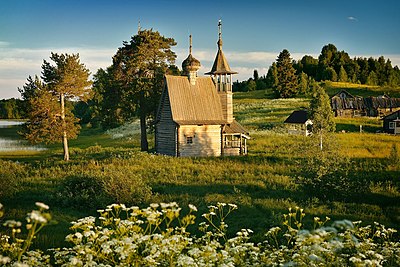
(219, 43)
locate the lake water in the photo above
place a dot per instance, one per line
(9, 144)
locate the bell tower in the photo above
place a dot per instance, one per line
(222, 76)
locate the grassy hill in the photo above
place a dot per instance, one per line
(358, 173)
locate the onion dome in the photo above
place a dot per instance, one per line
(190, 64)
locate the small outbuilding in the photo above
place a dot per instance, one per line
(391, 123)
(299, 123)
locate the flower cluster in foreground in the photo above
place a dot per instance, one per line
(159, 236)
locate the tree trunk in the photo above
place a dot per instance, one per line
(144, 145)
(64, 128)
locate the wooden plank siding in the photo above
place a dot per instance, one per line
(226, 105)
(166, 129)
(206, 140)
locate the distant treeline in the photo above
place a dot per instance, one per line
(331, 65)
(12, 109)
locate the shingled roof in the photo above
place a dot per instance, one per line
(220, 65)
(235, 128)
(194, 104)
(298, 116)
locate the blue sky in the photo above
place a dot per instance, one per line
(254, 32)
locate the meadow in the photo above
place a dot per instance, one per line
(356, 177)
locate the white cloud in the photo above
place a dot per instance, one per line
(17, 64)
(352, 18)
(4, 44)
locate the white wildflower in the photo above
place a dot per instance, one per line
(233, 206)
(4, 260)
(36, 216)
(154, 205)
(42, 205)
(192, 207)
(12, 223)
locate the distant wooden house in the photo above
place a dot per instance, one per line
(391, 123)
(346, 105)
(195, 116)
(299, 123)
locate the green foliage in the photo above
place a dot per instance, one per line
(81, 191)
(45, 124)
(329, 74)
(372, 78)
(342, 75)
(328, 175)
(12, 109)
(98, 188)
(138, 70)
(251, 86)
(272, 76)
(11, 174)
(334, 65)
(160, 235)
(303, 83)
(394, 158)
(321, 112)
(286, 79)
(50, 118)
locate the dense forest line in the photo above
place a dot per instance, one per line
(331, 65)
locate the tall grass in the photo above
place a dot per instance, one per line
(263, 184)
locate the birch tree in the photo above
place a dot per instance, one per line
(321, 113)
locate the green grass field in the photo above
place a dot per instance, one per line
(263, 184)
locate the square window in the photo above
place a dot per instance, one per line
(391, 125)
(189, 139)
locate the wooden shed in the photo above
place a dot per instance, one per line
(195, 115)
(391, 123)
(299, 123)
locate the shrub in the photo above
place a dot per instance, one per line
(82, 191)
(330, 176)
(101, 188)
(11, 174)
(129, 189)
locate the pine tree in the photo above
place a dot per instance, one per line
(255, 75)
(138, 68)
(50, 119)
(321, 113)
(287, 80)
(372, 78)
(272, 76)
(303, 83)
(342, 75)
